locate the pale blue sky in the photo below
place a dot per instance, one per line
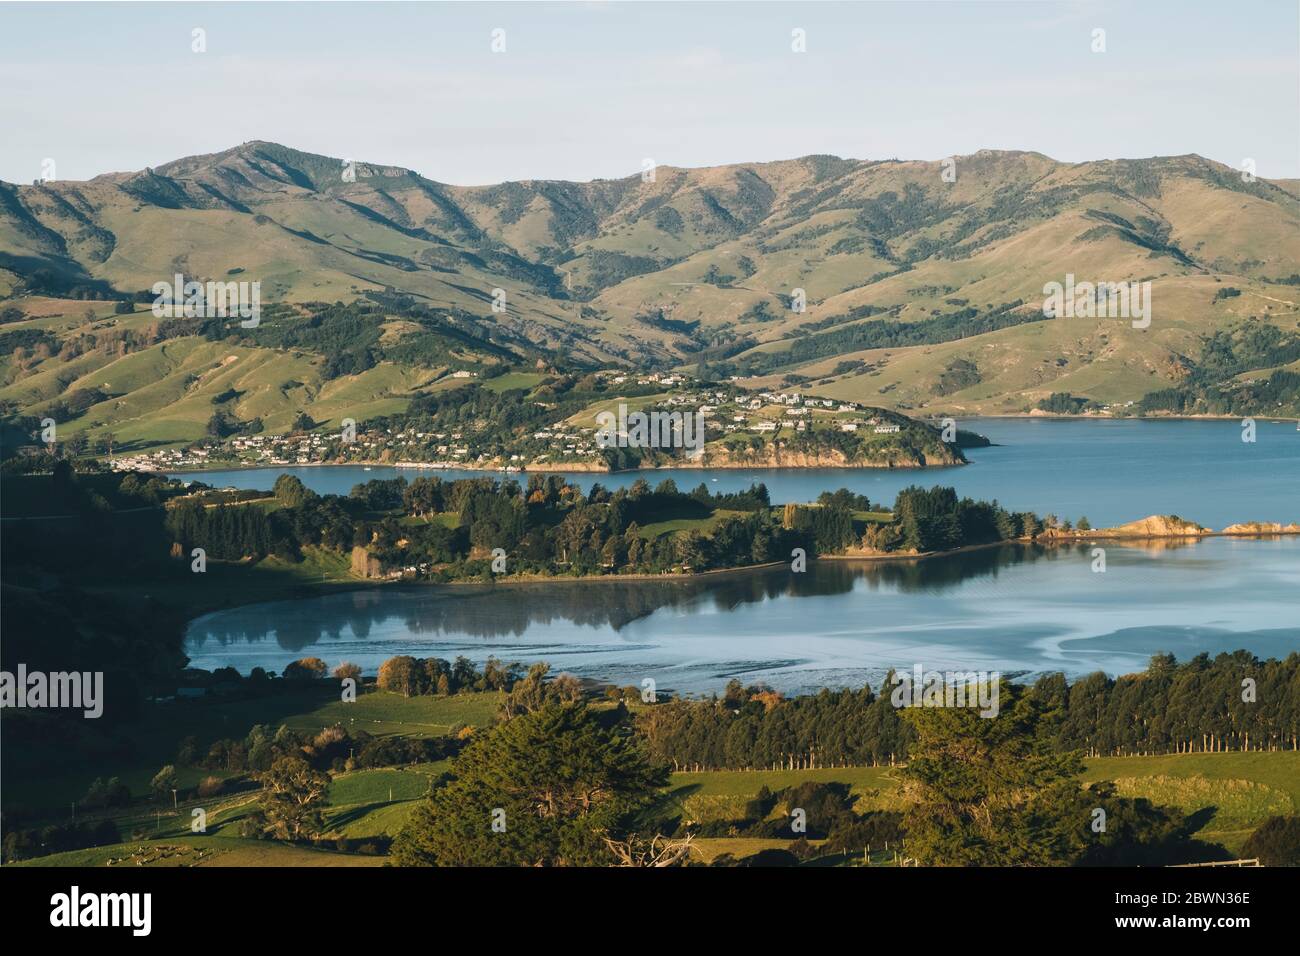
(588, 90)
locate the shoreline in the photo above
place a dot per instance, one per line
(1058, 538)
(351, 584)
(579, 468)
(429, 466)
(585, 578)
(1068, 537)
(1134, 418)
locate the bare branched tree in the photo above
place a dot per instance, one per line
(658, 850)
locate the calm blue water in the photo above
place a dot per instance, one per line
(1017, 609)
(1109, 471)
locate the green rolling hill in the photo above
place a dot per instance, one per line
(922, 294)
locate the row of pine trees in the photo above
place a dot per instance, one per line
(1233, 702)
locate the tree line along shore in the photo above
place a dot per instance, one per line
(489, 528)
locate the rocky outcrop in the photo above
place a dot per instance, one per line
(717, 456)
(1155, 526)
(585, 466)
(1262, 527)
(865, 551)
(365, 564)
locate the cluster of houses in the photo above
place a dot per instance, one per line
(372, 444)
(281, 449)
(726, 409)
(797, 412)
(172, 459)
(763, 412)
(666, 380)
(568, 444)
(292, 449)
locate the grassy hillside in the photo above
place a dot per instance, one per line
(202, 851)
(1235, 792)
(693, 264)
(55, 784)
(165, 392)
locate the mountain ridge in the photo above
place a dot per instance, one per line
(705, 263)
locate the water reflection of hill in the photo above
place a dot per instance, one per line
(512, 609)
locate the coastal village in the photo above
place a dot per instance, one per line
(760, 416)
